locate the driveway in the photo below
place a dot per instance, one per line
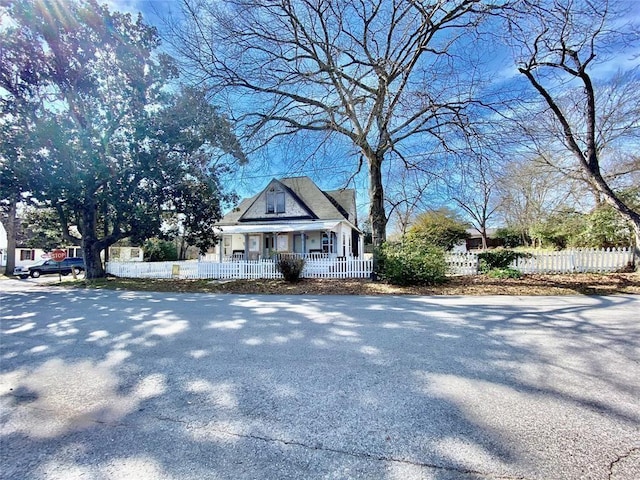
(124, 385)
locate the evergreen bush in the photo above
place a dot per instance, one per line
(504, 273)
(500, 258)
(411, 263)
(290, 268)
(156, 250)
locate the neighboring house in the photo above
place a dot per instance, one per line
(474, 241)
(291, 215)
(25, 255)
(125, 254)
(28, 255)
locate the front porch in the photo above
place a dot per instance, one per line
(317, 240)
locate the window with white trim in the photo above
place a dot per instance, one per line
(226, 245)
(27, 254)
(329, 241)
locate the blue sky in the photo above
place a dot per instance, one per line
(265, 166)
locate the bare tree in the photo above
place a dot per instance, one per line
(377, 73)
(406, 196)
(530, 190)
(558, 44)
(474, 190)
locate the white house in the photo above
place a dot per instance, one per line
(27, 255)
(291, 215)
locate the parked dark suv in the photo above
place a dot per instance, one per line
(44, 267)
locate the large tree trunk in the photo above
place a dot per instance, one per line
(636, 247)
(483, 234)
(92, 260)
(105, 231)
(91, 247)
(377, 212)
(10, 227)
(634, 218)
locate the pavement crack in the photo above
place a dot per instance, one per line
(383, 458)
(169, 419)
(620, 458)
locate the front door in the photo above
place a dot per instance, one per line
(268, 245)
(254, 247)
(297, 243)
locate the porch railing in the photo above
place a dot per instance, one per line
(255, 256)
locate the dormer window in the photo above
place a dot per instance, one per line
(275, 200)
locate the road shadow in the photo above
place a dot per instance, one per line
(101, 383)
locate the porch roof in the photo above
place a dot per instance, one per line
(318, 225)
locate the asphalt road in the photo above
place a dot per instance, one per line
(123, 385)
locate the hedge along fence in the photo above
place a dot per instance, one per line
(563, 261)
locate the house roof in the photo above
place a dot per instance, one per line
(475, 233)
(320, 205)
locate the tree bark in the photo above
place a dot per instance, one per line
(483, 234)
(105, 231)
(636, 248)
(631, 215)
(377, 212)
(90, 244)
(10, 227)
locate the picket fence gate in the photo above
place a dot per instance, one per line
(564, 261)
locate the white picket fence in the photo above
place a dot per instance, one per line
(314, 268)
(586, 260)
(564, 261)
(577, 261)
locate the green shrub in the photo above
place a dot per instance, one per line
(440, 228)
(156, 250)
(504, 273)
(500, 259)
(290, 268)
(411, 263)
(512, 237)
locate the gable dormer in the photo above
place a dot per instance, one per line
(277, 202)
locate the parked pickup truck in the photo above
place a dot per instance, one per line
(45, 267)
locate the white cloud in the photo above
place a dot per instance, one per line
(126, 6)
